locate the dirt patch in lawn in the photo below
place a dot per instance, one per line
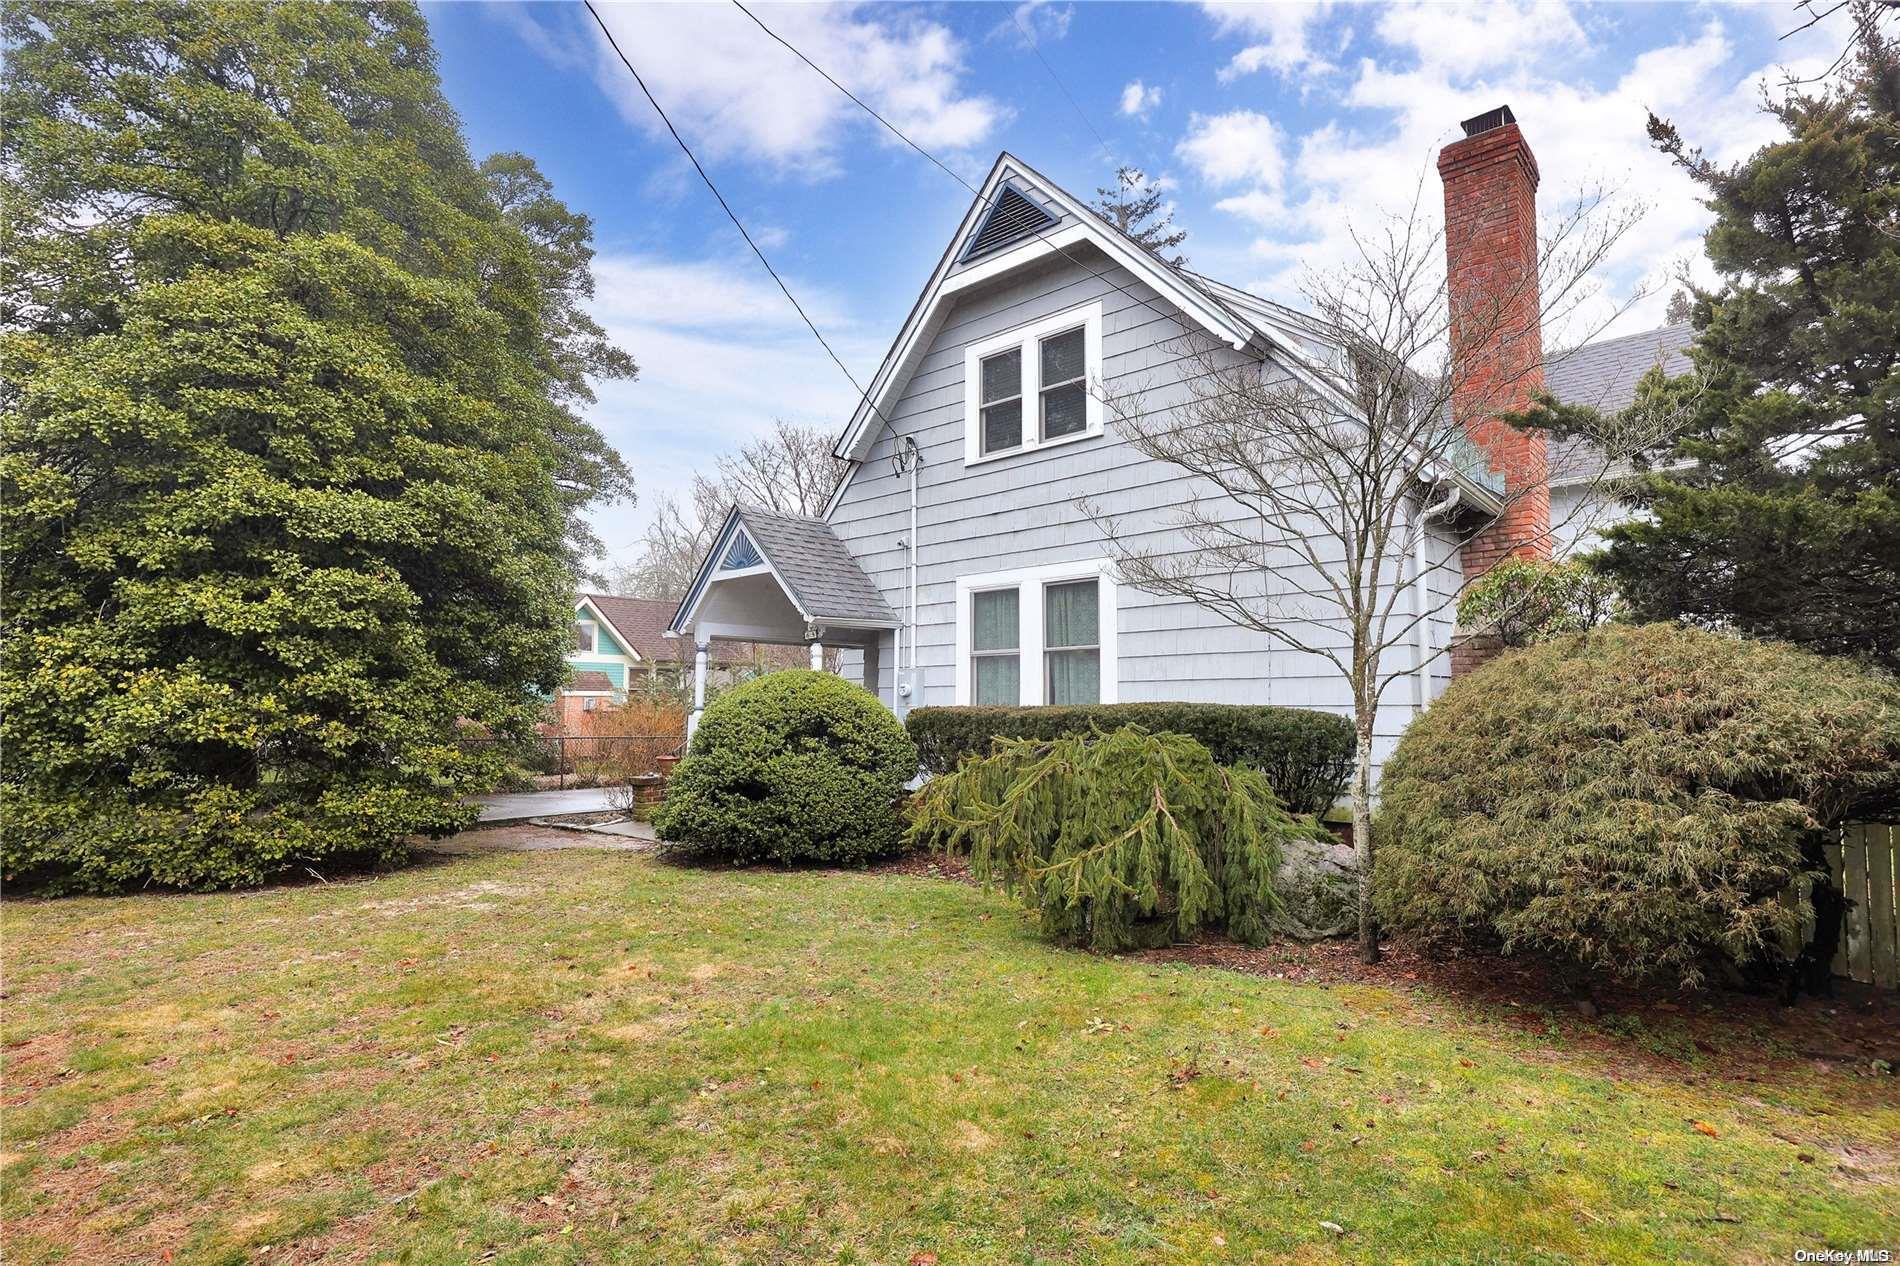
(1724, 1032)
(926, 866)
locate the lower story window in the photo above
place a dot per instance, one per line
(1072, 642)
(996, 647)
(1038, 635)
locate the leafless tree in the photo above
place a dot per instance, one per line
(790, 470)
(1311, 484)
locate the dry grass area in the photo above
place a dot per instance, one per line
(579, 1056)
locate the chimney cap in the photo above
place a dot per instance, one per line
(1490, 120)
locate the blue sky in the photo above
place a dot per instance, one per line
(1274, 127)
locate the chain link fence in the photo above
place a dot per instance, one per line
(585, 760)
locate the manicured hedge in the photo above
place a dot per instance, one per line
(795, 766)
(1305, 755)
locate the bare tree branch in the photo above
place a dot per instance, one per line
(1309, 472)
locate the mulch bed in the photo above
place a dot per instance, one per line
(1734, 1030)
(1726, 1030)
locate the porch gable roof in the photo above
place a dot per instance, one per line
(817, 573)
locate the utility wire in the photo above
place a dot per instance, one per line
(730, 215)
(989, 201)
(1035, 46)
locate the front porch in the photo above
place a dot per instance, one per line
(787, 581)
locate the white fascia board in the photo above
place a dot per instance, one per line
(704, 578)
(632, 655)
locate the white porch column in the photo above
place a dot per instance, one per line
(818, 657)
(699, 687)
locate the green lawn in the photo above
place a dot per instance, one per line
(594, 1057)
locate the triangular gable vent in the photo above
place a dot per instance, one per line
(1011, 216)
(743, 554)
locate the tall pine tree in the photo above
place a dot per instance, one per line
(290, 470)
(1135, 206)
(1787, 524)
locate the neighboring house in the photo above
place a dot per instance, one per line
(622, 644)
(1603, 376)
(953, 565)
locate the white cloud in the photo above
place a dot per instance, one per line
(1465, 39)
(1281, 33)
(1234, 148)
(1138, 98)
(721, 355)
(1427, 68)
(1034, 22)
(735, 92)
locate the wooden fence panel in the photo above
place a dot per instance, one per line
(1833, 853)
(1883, 939)
(1867, 870)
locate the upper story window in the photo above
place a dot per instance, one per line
(1002, 402)
(583, 635)
(1031, 387)
(1065, 387)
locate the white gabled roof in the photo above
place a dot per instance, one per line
(946, 282)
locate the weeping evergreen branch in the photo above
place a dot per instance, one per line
(1117, 840)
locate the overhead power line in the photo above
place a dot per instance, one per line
(988, 201)
(863, 395)
(731, 215)
(1035, 46)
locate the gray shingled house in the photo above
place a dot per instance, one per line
(953, 564)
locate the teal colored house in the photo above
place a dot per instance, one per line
(622, 643)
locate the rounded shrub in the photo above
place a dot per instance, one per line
(795, 766)
(1632, 800)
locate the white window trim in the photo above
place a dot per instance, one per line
(1032, 581)
(1089, 317)
(593, 637)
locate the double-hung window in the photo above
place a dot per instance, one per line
(1038, 635)
(1065, 388)
(1072, 642)
(1030, 387)
(1002, 386)
(996, 673)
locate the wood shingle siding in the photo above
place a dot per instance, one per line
(1020, 512)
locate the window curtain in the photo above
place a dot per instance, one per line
(1072, 618)
(995, 625)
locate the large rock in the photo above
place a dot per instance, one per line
(1318, 883)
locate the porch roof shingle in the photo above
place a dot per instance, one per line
(826, 581)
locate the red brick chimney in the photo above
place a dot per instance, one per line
(1497, 339)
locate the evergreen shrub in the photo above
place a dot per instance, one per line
(1306, 755)
(1632, 800)
(795, 766)
(1117, 840)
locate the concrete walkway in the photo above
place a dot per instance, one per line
(528, 837)
(520, 806)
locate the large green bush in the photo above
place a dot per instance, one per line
(794, 766)
(1306, 755)
(1632, 800)
(292, 455)
(1117, 840)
